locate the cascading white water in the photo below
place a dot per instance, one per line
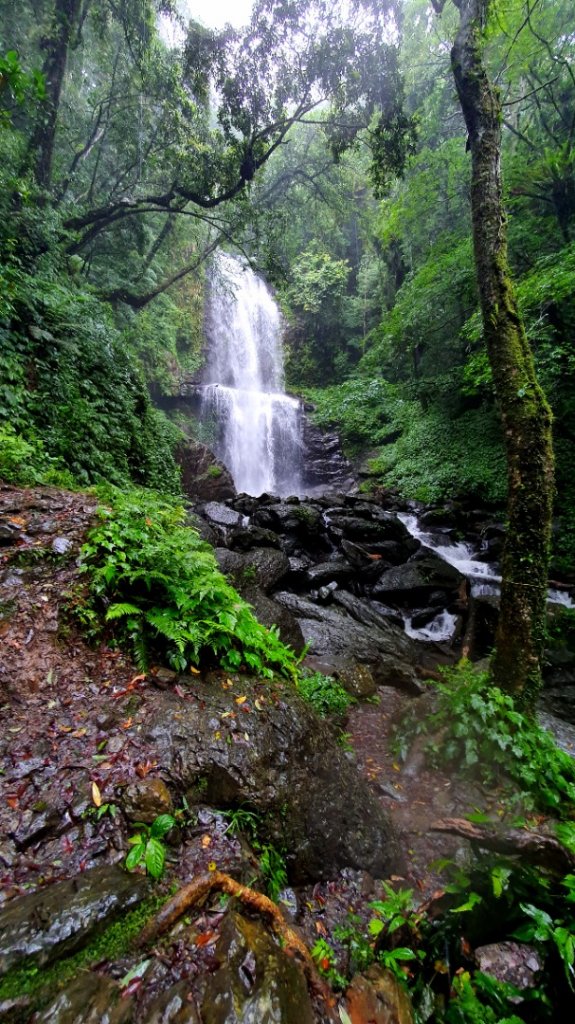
(485, 578)
(258, 427)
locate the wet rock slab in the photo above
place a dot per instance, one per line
(256, 981)
(61, 918)
(260, 746)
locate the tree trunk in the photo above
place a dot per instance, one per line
(525, 413)
(56, 46)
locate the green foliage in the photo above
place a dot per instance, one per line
(25, 462)
(483, 733)
(17, 85)
(160, 585)
(325, 695)
(148, 849)
(425, 451)
(271, 859)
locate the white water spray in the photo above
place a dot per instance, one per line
(258, 427)
(485, 578)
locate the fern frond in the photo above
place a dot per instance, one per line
(122, 609)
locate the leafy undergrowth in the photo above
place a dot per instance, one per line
(159, 583)
(484, 734)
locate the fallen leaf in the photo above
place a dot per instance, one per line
(228, 714)
(205, 938)
(194, 671)
(79, 732)
(13, 802)
(320, 928)
(128, 723)
(259, 703)
(241, 700)
(217, 735)
(212, 865)
(206, 840)
(96, 795)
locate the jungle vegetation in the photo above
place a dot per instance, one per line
(334, 148)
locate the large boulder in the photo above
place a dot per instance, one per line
(333, 635)
(258, 745)
(204, 478)
(424, 580)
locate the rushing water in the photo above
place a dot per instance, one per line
(485, 578)
(258, 428)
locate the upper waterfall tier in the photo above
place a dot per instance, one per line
(257, 427)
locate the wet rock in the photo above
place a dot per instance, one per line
(326, 572)
(9, 532)
(326, 813)
(256, 982)
(418, 581)
(303, 520)
(357, 680)
(269, 613)
(244, 538)
(204, 478)
(266, 567)
(377, 997)
(220, 514)
(62, 917)
(326, 467)
(61, 545)
(176, 1006)
(369, 613)
(355, 553)
(511, 962)
(334, 636)
(90, 999)
(231, 563)
(146, 799)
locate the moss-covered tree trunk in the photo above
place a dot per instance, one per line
(525, 413)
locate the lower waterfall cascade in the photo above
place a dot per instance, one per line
(257, 427)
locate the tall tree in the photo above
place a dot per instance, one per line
(525, 413)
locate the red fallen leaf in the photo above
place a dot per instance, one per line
(324, 964)
(145, 767)
(13, 802)
(205, 938)
(67, 845)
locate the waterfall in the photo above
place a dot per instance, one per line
(257, 427)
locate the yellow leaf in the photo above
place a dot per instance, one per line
(194, 671)
(96, 795)
(212, 865)
(259, 704)
(206, 840)
(217, 735)
(241, 700)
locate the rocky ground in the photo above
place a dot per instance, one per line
(90, 746)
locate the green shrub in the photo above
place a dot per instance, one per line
(24, 462)
(483, 733)
(160, 584)
(325, 695)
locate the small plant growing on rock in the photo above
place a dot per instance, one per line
(325, 695)
(148, 847)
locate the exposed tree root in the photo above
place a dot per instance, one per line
(216, 881)
(535, 847)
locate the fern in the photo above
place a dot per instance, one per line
(168, 597)
(121, 610)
